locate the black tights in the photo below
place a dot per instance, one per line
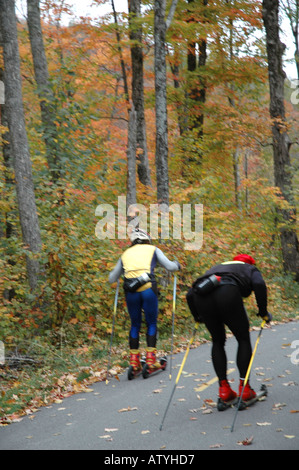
(224, 307)
(150, 341)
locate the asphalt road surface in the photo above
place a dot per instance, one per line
(125, 416)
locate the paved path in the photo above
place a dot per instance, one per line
(126, 415)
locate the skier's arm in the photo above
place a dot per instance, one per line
(117, 272)
(165, 262)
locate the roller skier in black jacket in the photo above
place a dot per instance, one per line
(223, 305)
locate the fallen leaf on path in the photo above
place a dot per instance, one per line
(294, 411)
(215, 446)
(264, 424)
(128, 409)
(111, 429)
(158, 390)
(246, 442)
(210, 402)
(288, 436)
(105, 436)
(278, 406)
(145, 432)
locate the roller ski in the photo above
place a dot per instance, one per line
(227, 397)
(152, 365)
(251, 398)
(136, 364)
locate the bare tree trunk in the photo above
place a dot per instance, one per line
(161, 104)
(236, 152)
(138, 91)
(8, 178)
(45, 93)
(281, 142)
(122, 63)
(197, 93)
(131, 155)
(18, 139)
(237, 177)
(132, 136)
(160, 27)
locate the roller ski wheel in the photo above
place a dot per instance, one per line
(224, 405)
(147, 371)
(262, 393)
(132, 374)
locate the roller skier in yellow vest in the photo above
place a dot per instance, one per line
(137, 265)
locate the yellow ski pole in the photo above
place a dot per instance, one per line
(180, 371)
(172, 330)
(112, 332)
(248, 372)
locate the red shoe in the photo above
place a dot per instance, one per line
(225, 392)
(135, 360)
(248, 392)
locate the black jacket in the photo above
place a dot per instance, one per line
(246, 276)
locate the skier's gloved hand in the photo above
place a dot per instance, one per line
(178, 264)
(265, 316)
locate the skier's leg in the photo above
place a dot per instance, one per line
(150, 308)
(238, 323)
(134, 304)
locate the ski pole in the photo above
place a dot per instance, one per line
(112, 332)
(248, 372)
(180, 371)
(172, 329)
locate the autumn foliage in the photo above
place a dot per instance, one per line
(229, 170)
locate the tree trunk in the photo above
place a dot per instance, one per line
(131, 156)
(8, 225)
(281, 143)
(161, 104)
(197, 93)
(138, 92)
(18, 139)
(45, 93)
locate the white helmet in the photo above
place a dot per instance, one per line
(139, 234)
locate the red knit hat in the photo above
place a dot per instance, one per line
(245, 258)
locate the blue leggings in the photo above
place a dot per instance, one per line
(147, 301)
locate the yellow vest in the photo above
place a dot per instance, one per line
(137, 260)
